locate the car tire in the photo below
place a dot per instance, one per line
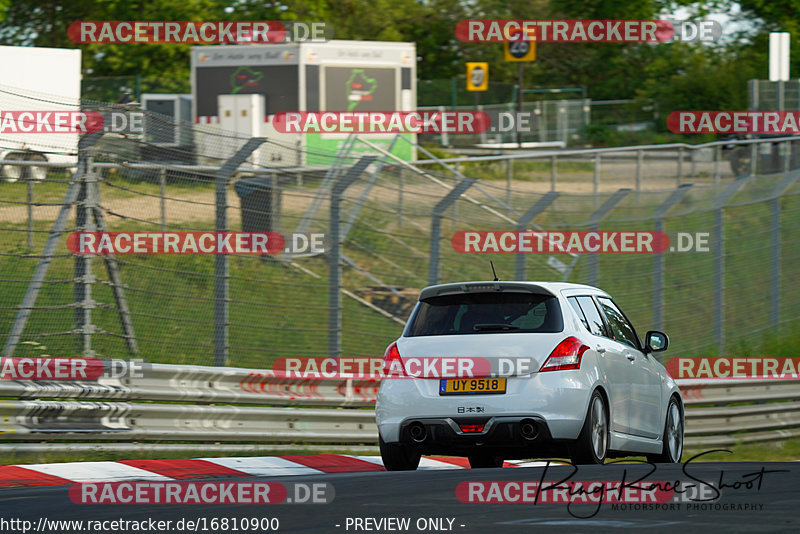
(591, 447)
(398, 456)
(479, 461)
(672, 439)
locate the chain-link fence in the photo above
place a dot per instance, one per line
(394, 222)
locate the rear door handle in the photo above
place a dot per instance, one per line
(600, 350)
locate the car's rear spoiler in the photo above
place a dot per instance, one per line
(482, 287)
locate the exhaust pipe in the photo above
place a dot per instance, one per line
(529, 429)
(417, 431)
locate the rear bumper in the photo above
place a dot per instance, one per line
(508, 436)
(557, 401)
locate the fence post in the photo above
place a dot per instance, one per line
(719, 260)
(83, 276)
(658, 259)
(30, 212)
(775, 245)
(680, 167)
(527, 217)
(596, 186)
(594, 225)
(787, 155)
(163, 186)
(509, 177)
(221, 275)
(553, 173)
(277, 200)
(436, 225)
(39, 274)
(445, 138)
(400, 185)
(717, 150)
(335, 255)
(639, 169)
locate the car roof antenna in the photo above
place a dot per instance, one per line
(494, 273)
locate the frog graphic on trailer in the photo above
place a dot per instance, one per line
(244, 77)
(359, 88)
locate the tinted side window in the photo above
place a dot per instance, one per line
(591, 314)
(620, 327)
(577, 307)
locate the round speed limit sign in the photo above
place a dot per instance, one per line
(518, 49)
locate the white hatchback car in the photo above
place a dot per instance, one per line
(589, 389)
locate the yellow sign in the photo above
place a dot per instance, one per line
(477, 76)
(519, 49)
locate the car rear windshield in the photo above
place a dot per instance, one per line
(486, 313)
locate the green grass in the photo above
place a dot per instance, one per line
(54, 189)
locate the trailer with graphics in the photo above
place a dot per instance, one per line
(39, 80)
(238, 88)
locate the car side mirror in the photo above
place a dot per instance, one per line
(655, 341)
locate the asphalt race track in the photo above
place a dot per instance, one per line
(772, 507)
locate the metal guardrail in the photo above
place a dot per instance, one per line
(182, 403)
(204, 385)
(727, 412)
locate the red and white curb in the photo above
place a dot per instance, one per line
(165, 470)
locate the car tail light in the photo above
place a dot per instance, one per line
(471, 428)
(566, 355)
(392, 363)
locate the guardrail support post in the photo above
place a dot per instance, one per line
(594, 225)
(221, 276)
(436, 225)
(335, 255)
(719, 260)
(527, 217)
(658, 259)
